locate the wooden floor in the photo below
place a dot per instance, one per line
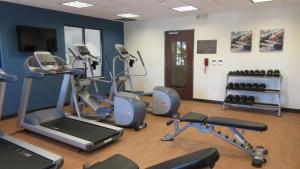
(144, 147)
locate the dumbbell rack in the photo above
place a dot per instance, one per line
(263, 106)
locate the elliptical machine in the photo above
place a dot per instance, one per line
(124, 109)
(119, 79)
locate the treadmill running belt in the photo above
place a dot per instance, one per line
(15, 157)
(86, 131)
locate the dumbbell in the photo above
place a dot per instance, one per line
(228, 99)
(256, 73)
(229, 86)
(250, 100)
(246, 72)
(261, 87)
(251, 73)
(276, 73)
(230, 73)
(262, 73)
(237, 72)
(243, 99)
(247, 86)
(236, 99)
(242, 86)
(270, 73)
(254, 87)
(236, 86)
(242, 73)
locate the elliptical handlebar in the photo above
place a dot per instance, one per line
(126, 71)
(88, 59)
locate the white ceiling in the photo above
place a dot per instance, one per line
(153, 9)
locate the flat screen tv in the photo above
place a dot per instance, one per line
(36, 39)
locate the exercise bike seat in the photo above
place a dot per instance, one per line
(193, 117)
(196, 160)
(115, 162)
(242, 124)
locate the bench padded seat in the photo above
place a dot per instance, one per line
(115, 162)
(242, 124)
(193, 117)
(196, 160)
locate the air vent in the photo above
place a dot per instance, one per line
(125, 19)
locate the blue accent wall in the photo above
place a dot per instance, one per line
(45, 92)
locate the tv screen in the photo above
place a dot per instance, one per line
(36, 39)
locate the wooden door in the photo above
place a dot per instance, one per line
(179, 56)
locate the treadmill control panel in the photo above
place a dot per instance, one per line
(46, 61)
(122, 51)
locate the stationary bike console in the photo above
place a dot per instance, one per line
(46, 61)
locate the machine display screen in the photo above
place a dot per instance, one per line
(83, 50)
(123, 51)
(46, 60)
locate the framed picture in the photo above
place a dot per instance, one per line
(207, 46)
(241, 41)
(271, 40)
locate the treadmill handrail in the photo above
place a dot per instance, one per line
(7, 77)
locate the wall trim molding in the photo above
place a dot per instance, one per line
(220, 102)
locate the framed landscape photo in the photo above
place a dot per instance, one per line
(271, 40)
(241, 41)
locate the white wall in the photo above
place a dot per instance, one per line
(148, 37)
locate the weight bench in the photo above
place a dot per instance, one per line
(204, 124)
(203, 159)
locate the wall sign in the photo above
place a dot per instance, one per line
(207, 46)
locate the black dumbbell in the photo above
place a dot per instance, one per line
(251, 73)
(247, 86)
(262, 73)
(276, 73)
(236, 99)
(235, 86)
(270, 73)
(256, 73)
(228, 99)
(243, 99)
(242, 86)
(261, 87)
(230, 85)
(230, 73)
(242, 73)
(254, 87)
(250, 100)
(237, 72)
(246, 72)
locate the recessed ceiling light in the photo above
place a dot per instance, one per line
(256, 1)
(185, 8)
(78, 4)
(128, 15)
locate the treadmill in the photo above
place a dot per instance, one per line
(84, 134)
(16, 154)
